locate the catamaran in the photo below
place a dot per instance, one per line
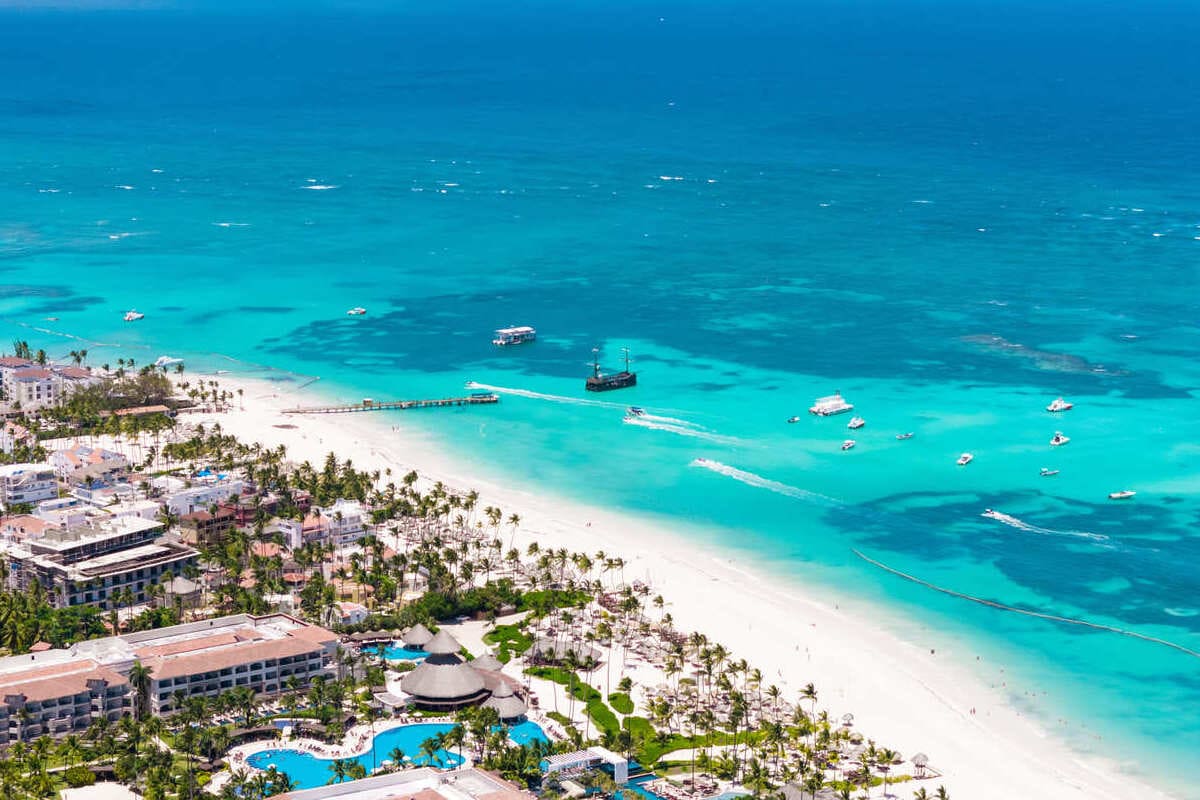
(518, 335)
(828, 406)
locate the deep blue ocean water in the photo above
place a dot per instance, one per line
(952, 212)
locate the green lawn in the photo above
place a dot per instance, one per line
(509, 640)
(621, 702)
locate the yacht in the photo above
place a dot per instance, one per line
(1047, 472)
(965, 458)
(903, 436)
(846, 445)
(1057, 440)
(517, 335)
(1060, 405)
(1124, 494)
(856, 423)
(133, 316)
(357, 311)
(793, 420)
(636, 411)
(828, 406)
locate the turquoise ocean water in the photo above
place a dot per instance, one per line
(951, 212)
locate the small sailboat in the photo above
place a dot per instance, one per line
(849, 443)
(964, 459)
(1124, 494)
(1058, 439)
(1047, 472)
(133, 316)
(856, 423)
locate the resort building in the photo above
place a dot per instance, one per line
(53, 693)
(444, 681)
(424, 783)
(202, 529)
(104, 564)
(59, 692)
(88, 463)
(508, 705)
(13, 435)
(34, 387)
(26, 483)
(201, 498)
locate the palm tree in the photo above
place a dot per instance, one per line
(942, 794)
(340, 769)
(139, 680)
(921, 794)
(397, 756)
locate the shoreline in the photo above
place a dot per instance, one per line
(901, 694)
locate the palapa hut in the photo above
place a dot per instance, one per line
(416, 637)
(510, 707)
(488, 662)
(444, 681)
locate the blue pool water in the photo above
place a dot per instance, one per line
(396, 652)
(309, 771)
(525, 732)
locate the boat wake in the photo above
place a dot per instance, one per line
(553, 398)
(1021, 525)
(670, 421)
(758, 481)
(685, 429)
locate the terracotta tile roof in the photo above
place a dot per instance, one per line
(74, 372)
(32, 373)
(41, 683)
(13, 361)
(219, 658)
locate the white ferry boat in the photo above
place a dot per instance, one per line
(517, 335)
(133, 316)
(965, 458)
(1060, 405)
(357, 311)
(828, 406)
(1124, 494)
(1058, 440)
(846, 445)
(856, 423)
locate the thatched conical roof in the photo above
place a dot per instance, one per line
(488, 662)
(506, 702)
(442, 644)
(443, 681)
(417, 635)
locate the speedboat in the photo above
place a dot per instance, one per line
(903, 436)
(635, 411)
(793, 420)
(51, 319)
(133, 316)
(965, 458)
(856, 423)
(1124, 494)
(357, 311)
(846, 445)
(1057, 440)
(1047, 472)
(1060, 405)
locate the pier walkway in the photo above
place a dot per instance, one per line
(479, 399)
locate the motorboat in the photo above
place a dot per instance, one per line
(965, 458)
(51, 319)
(793, 420)
(1124, 494)
(133, 316)
(1060, 405)
(357, 311)
(849, 443)
(1058, 440)
(635, 411)
(903, 436)
(856, 423)
(1047, 472)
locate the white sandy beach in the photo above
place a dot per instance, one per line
(902, 695)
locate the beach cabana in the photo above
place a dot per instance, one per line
(416, 637)
(488, 662)
(508, 705)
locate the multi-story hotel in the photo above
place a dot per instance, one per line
(57, 692)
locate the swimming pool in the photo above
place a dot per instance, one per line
(525, 732)
(308, 771)
(395, 652)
